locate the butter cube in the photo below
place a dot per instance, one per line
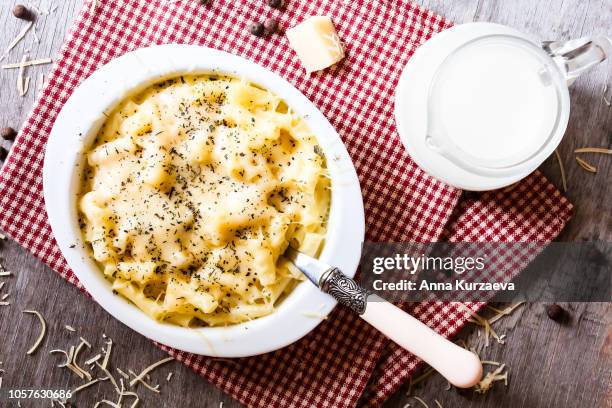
(316, 43)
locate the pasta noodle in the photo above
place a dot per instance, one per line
(192, 192)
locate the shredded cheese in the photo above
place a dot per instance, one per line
(20, 80)
(585, 165)
(132, 394)
(122, 373)
(143, 382)
(82, 387)
(149, 369)
(107, 353)
(74, 358)
(5, 273)
(93, 359)
(28, 63)
(70, 328)
(68, 357)
(603, 96)
(486, 383)
(169, 376)
(16, 40)
(501, 313)
(26, 86)
(110, 377)
(42, 331)
(438, 404)
(562, 169)
(593, 150)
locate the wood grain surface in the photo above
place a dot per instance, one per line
(551, 365)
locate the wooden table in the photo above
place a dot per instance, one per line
(551, 365)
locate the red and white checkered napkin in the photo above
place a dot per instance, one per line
(333, 364)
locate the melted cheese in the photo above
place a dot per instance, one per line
(194, 189)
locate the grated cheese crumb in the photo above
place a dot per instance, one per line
(70, 328)
(169, 376)
(42, 331)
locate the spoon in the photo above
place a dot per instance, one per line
(460, 367)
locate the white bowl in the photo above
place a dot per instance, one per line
(79, 121)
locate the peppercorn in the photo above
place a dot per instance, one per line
(8, 133)
(271, 25)
(555, 312)
(3, 153)
(257, 29)
(21, 11)
(275, 3)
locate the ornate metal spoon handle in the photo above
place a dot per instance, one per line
(459, 366)
(344, 289)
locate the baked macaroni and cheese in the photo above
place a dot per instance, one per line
(193, 189)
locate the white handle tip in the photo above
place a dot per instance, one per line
(468, 372)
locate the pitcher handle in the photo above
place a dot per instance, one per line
(576, 56)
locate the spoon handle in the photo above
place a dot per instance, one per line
(459, 366)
